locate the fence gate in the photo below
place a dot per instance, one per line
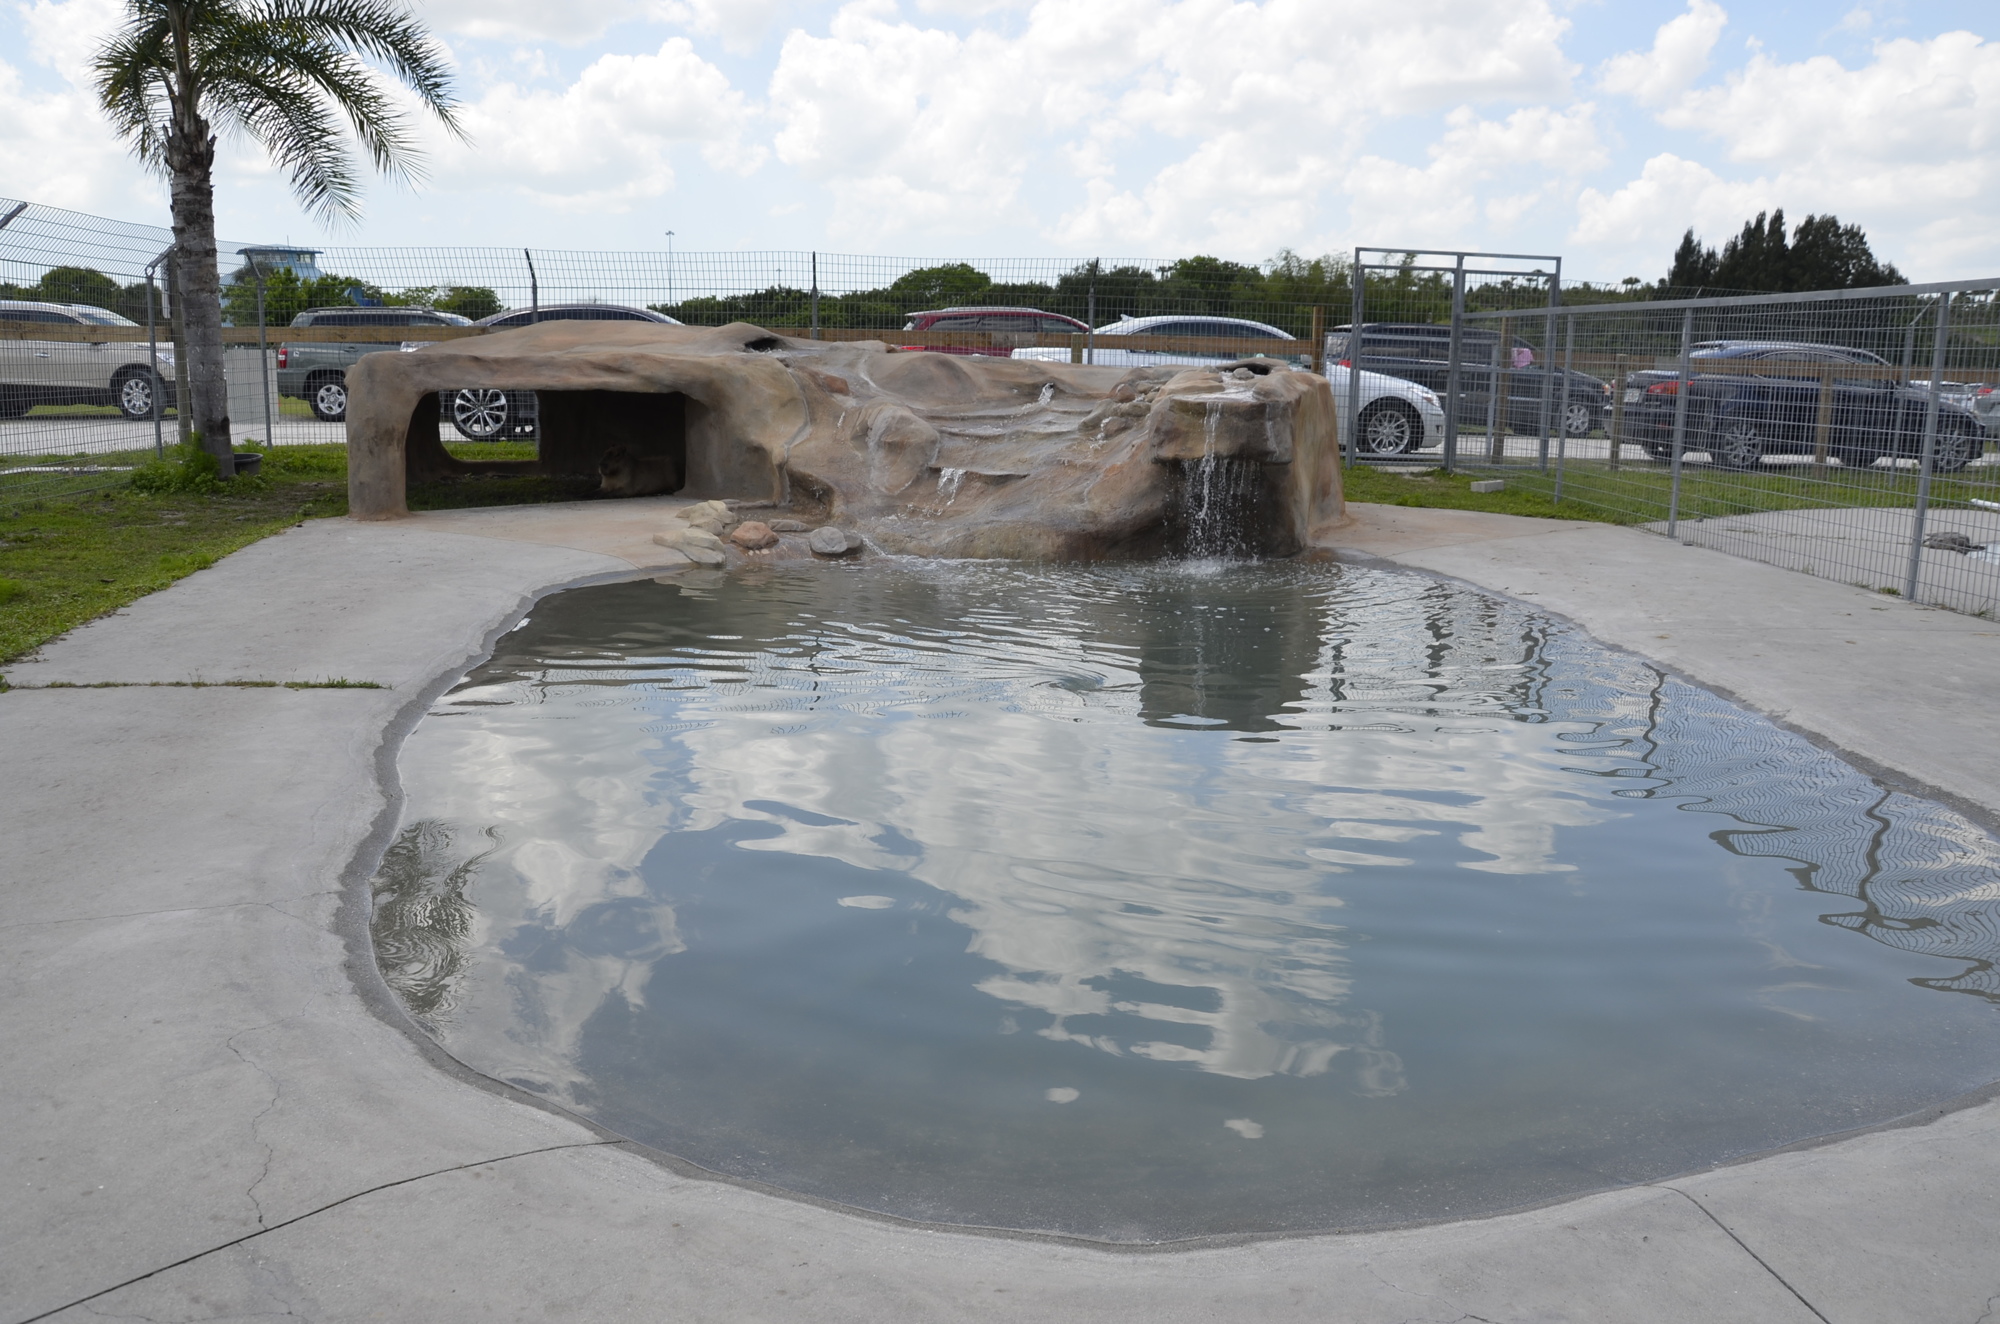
(1412, 306)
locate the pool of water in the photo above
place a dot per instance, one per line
(1164, 901)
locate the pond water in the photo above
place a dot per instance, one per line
(1163, 901)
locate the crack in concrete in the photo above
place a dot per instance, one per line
(1992, 1304)
(1746, 1250)
(277, 1093)
(85, 1301)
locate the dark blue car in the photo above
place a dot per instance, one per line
(1752, 398)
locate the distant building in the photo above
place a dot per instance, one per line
(301, 262)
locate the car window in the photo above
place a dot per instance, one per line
(953, 324)
(1015, 322)
(99, 317)
(335, 319)
(38, 315)
(1055, 326)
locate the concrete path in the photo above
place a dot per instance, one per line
(214, 1111)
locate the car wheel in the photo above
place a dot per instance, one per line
(1578, 419)
(1390, 427)
(480, 413)
(328, 398)
(133, 392)
(1954, 450)
(1737, 444)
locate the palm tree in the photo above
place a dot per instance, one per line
(293, 75)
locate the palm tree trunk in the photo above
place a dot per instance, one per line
(190, 159)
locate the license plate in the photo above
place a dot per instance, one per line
(1631, 395)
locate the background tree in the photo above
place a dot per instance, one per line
(292, 75)
(1822, 254)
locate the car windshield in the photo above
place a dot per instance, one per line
(101, 317)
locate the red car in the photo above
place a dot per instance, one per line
(1005, 329)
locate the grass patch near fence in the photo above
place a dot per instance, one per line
(1438, 490)
(65, 560)
(1640, 491)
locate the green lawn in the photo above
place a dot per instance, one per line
(1639, 491)
(70, 560)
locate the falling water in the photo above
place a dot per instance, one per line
(948, 483)
(1218, 495)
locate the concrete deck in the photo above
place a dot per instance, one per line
(214, 1111)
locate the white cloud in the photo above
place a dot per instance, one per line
(1529, 156)
(608, 139)
(1903, 144)
(1643, 220)
(740, 24)
(1680, 53)
(1251, 107)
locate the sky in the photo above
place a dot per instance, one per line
(1127, 128)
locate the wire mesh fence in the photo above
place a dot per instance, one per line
(86, 390)
(1846, 434)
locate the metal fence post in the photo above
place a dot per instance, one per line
(1090, 316)
(1548, 364)
(815, 294)
(263, 351)
(1354, 346)
(535, 287)
(1616, 427)
(1930, 449)
(1496, 395)
(1680, 425)
(1562, 435)
(153, 358)
(1451, 382)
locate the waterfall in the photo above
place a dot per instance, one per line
(1219, 498)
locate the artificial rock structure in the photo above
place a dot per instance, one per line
(925, 453)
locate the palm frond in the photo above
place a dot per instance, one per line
(286, 73)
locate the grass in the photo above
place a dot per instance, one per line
(1438, 490)
(1639, 491)
(68, 560)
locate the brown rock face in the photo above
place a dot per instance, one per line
(925, 453)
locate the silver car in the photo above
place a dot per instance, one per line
(76, 370)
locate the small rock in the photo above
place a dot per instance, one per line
(711, 557)
(829, 541)
(788, 526)
(688, 537)
(754, 536)
(707, 510)
(1243, 375)
(1124, 393)
(1136, 409)
(1115, 425)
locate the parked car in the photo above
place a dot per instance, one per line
(1752, 398)
(1008, 329)
(484, 413)
(78, 372)
(1397, 416)
(1107, 353)
(1421, 352)
(315, 371)
(1985, 402)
